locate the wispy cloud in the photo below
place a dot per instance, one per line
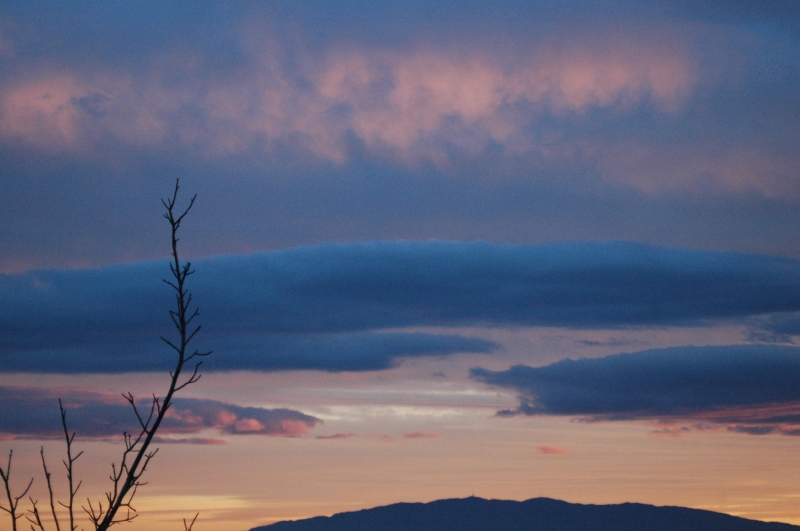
(751, 389)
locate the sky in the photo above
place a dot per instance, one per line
(507, 249)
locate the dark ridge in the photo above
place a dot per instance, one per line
(477, 514)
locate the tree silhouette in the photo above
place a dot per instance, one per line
(126, 474)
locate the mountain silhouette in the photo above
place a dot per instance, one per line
(537, 514)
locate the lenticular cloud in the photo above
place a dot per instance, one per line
(343, 307)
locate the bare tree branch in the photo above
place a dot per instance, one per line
(13, 501)
(126, 476)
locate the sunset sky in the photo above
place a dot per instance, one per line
(506, 249)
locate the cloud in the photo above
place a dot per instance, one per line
(200, 441)
(32, 413)
(511, 121)
(551, 450)
(246, 86)
(420, 435)
(746, 388)
(191, 415)
(441, 95)
(333, 352)
(406, 104)
(335, 436)
(780, 328)
(45, 112)
(409, 107)
(329, 307)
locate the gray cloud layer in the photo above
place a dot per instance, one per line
(750, 388)
(327, 307)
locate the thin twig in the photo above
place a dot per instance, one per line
(37, 519)
(68, 464)
(188, 527)
(50, 491)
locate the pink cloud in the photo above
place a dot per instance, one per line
(430, 89)
(411, 108)
(294, 427)
(247, 426)
(551, 450)
(42, 112)
(419, 435)
(192, 415)
(405, 106)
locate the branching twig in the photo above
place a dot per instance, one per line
(73, 490)
(37, 519)
(13, 501)
(188, 527)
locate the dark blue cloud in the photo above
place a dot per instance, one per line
(325, 307)
(390, 284)
(333, 352)
(750, 388)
